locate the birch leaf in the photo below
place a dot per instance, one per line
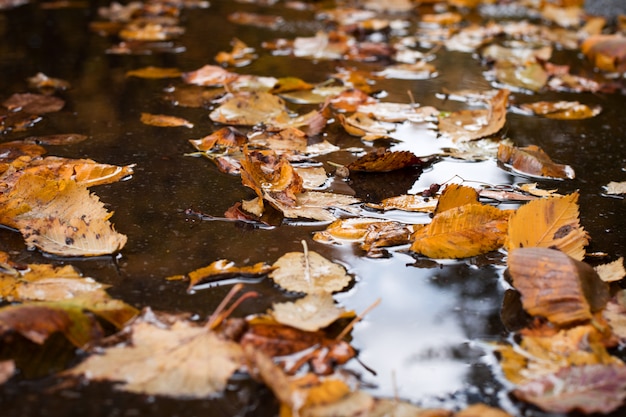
(555, 224)
(464, 231)
(309, 273)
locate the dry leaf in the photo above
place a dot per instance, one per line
(177, 360)
(555, 225)
(309, 273)
(464, 231)
(532, 160)
(163, 120)
(555, 286)
(311, 313)
(60, 217)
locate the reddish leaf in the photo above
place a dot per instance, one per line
(384, 160)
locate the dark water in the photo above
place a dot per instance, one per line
(424, 340)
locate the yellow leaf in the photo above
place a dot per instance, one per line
(311, 313)
(309, 273)
(551, 223)
(460, 232)
(455, 195)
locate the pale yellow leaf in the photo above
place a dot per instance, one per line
(309, 273)
(311, 313)
(613, 271)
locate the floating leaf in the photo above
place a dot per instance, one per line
(532, 160)
(7, 369)
(154, 72)
(614, 188)
(456, 195)
(222, 269)
(384, 160)
(60, 139)
(607, 52)
(163, 120)
(555, 225)
(240, 56)
(464, 231)
(311, 313)
(562, 110)
(309, 273)
(407, 202)
(611, 272)
(33, 103)
(210, 75)
(315, 205)
(180, 359)
(365, 127)
(555, 286)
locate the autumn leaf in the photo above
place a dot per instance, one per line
(616, 188)
(466, 125)
(365, 127)
(163, 120)
(555, 286)
(384, 160)
(316, 205)
(464, 231)
(60, 217)
(154, 73)
(399, 112)
(251, 108)
(612, 271)
(221, 269)
(210, 75)
(407, 202)
(240, 56)
(42, 82)
(179, 359)
(310, 313)
(589, 389)
(562, 110)
(309, 273)
(58, 139)
(33, 103)
(7, 369)
(555, 225)
(456, 195)
(607, 52)
(532, 160)
(481, 410)
(11, 151)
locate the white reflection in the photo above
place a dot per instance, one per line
(408, 338)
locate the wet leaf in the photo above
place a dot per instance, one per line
(532, 160)
(251, 108)
(607, 52)
(311, 313)
(614, 188)
(180, 359)
(312, 177)
(562, 110)
(399, 112)
(555, 286)
(163, 120)
(60, 139)
(481, 410)
(222, 269)
(384, 160)
(33, 103)
(532, 189)
(10, 151)
(615, 314)
(309, 273)
(555, 225)
(365, 127)
(256, 19)
(36, 321)
(7, 370)
(611, 272)
(461, 232)
(466, 125)
(456, 195)
(240, 56)
(42, 82)
(316, 205)
(210, 75)
(60, 217)
(420, 70)
(154, 73)
(407, 202)
(589, 389)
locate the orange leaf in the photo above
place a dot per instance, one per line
(555, 224)
(455, 195)
(460, 232)
(532, 160)
(384, 160)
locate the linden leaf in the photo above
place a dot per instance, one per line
(464, 231)
(309, 273)
(33, 103)
(60, 217)
(615, 188)
(407, 202)
(555, 224)
(555, 286)
(311, 313)
(589, 389)
(315, 205)
(180, 359)
(532, 160)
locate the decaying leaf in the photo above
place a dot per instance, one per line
(555, 225)
(468, 125)
(59, 139)
(181, 359)
(210, 75)
(222, 269)
(589, 389)
(240, 56)
(555, 286)
(384, 160)
(60, 217)
(407, 202)
(399, 112)
(313, 312)
(461, 232)
(562, 110)
(163, 120)
(613, 271)
(44, 83)
(615, 314)
(481, 410)
(251, 108)
(309, 273)
(532, 189)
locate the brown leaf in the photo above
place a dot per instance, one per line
(607, 52)
(466, 125)
(613, 271)
(555, 286)
(407, 202)
(251, 108)
(154, 72)
(384, 160)
(555, 224)
(310, 313)
(7, 369)
(464, 231)
(180, 359)
(60, 139)
(562, 110)
(589, 389)
(240, 56)
(10, 151)
(33, 103)
(210, 75)
(481, 410)
(163, 120)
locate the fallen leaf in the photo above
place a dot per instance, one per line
(407, 202)
(309, 273)
(589, 389)
(461, 232)
(420, 70)
(222, 269)
(154, 73)
(466, 125)
(607, 52)
(310, 313)
(456, 195)
(181, 359)
(614, 188)
(365, 127)
(60, 217)
(42, 82)
(316, 205)
(240, 56)
(555, 286)
(532, 189)
(251, 108)
(7, 370)
(60, 139)
(555, 225)
(256, 19)
(384, 160)
(33, 103)
(163, 120)
(611, 272)
(615, 314)
(399, 112)
(481, 410)
(210, 75)
(562, 110)
(11, 151)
